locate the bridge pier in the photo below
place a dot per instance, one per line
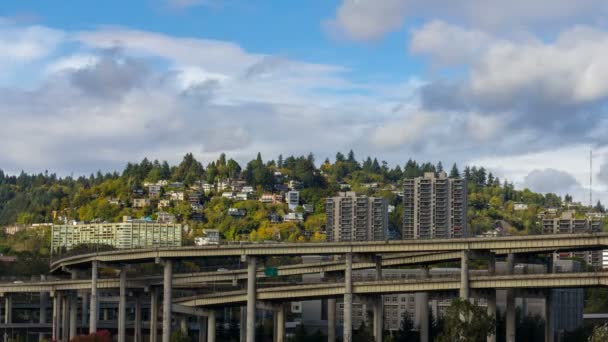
(94, 310)
(331, 320)
(251, 288)
(73, 302)
(510, 315)
(211, 323)
(422, 308)
(64, 331)
(279, 329)
(167, 299)
(44, 299)
(491, 296)
(549, 336)
(348, 298)
(8, 312)
(85, 309)
(153, 314)
(55, 319)
(122, 305)
(378, 321)
(464, 275)
(137, 337)
(243, 324)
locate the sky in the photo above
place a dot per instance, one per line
(520, 87)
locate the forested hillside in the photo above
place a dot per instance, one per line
(35, 198)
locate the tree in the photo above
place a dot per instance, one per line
(454, 173)
(600, 333)
(439, 166)
(406, 331)
(466, 322)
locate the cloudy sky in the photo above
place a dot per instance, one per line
(520, 87)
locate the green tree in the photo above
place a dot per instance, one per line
(466, 322)
(599, 334)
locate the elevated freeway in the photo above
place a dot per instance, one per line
(315, 291)
(535, 243)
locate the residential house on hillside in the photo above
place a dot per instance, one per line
(236, 212)
(141, 202)
(271, 198)
(207, 188)
(176, 185)
(242, 196)
(293, 199)
(177, 195)
(165, 217)
(154, 191)
(294, 217)
(163, 203)
(228, 195)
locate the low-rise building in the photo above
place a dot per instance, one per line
(247, 189)
(308, 208)
(293, 217)
(520, 206)
(154, 191)
(141, 202)
(242, 196)
(229, 195)
(177, 195)
(207, 188)
(271, 198)
(293, 199)
(210, 237)
(165, 217)
(176, 185)
(237, 212)
(125, 235)
(164, 203)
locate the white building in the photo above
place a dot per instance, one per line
(293, 199)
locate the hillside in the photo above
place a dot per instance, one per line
(192, 193)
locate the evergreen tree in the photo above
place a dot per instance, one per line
(454, 173)
(439, 166)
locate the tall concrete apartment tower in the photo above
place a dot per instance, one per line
(356, 218)
(567, 223)
(435, 207)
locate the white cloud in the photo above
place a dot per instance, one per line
(366, 20)
(448, 44)
(408, 130)
(26, 44)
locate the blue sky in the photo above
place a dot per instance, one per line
(520, 87)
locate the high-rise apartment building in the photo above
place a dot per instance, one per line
(435, 206)
(567, 223)
(356, 218)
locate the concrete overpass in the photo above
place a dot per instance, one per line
(368, 254)
(563, 242)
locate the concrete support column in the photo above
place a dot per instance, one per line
(549, 336)
(378, 321)
(251, 270)
(331, 320)
(279, 329)
(85, 308)
(243, 324)
(510, 315)
(348, 298)
(492, 295)
(44, 302)
(491, 311)
(211, 327)
(122, 305)
(73, 302)
(167, 299)
(8, 308)
(464, 275)
(55, 323)
(422, 308)
(153, 314)
(8, 312)
(202, 329)
(94, 311)
(137, 324)
(65, 317)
